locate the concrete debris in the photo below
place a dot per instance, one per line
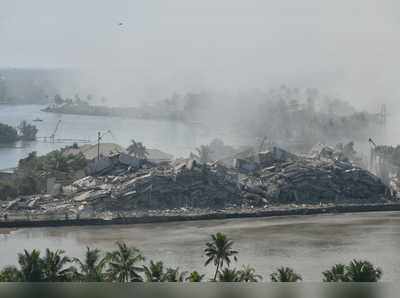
(310, 180)
(271, 177)
(188, 185)
(118, 164)
(245, 165)
(340, 152)
(263, 159)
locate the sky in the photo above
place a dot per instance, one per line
(345, 48)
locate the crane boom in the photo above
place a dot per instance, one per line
(55, 130)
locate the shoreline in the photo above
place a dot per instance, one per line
(209, 216)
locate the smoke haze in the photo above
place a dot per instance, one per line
(347, 48)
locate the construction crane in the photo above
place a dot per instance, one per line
(52, 136)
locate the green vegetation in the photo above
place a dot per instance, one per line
(25, 132)
(126, 264)
(8, 134)
(138, 150)
(123, 263)
(8, 189)
(356, 271)
(33, 171)
(91, 269)
(195, 277)
(218, 251)
(285, 274)
(248, 274)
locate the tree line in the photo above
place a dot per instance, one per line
(24, 132)
(127, 264)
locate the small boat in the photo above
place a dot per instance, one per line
(37, 120)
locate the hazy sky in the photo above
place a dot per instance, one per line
(347, 47)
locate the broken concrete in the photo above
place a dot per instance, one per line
(274, 177)
(310, 180)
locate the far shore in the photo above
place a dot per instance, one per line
(214, 215)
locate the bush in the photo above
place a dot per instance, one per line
(8, 134)
(8, 189)
(28, 185)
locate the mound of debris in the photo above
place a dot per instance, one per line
(188, 184)
(273, 177)
(314, 180)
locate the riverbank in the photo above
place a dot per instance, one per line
(257, 213)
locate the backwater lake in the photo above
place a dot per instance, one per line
(174, 137)
(309, 244)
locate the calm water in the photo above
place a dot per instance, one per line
(172, 137)
(310, 244)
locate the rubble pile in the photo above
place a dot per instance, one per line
(189, 184)
(274, 177)
(310, 180)
(340, 152)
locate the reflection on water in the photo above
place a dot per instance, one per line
(173, 137)
(309, 244)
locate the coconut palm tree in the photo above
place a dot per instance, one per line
(218, 251)
(336, 274)
(195, 277)
(285, 274)
(138, 150)
(229, 275)
(56, 160)
(92, 267)
(248, 274)
(154, 272)
(31, 266)
(54, 263)
(122, 263)
(363, 271)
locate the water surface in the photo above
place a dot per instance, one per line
(309, 244)
(176, 138)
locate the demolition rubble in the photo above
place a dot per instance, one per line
(315, 181)
(264, 180)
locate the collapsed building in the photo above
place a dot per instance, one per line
(272, 177)
(295, 179)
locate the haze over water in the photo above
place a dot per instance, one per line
(309, 244)
(172, 137)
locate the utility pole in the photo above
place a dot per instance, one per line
(99, 138)
(98, 145)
